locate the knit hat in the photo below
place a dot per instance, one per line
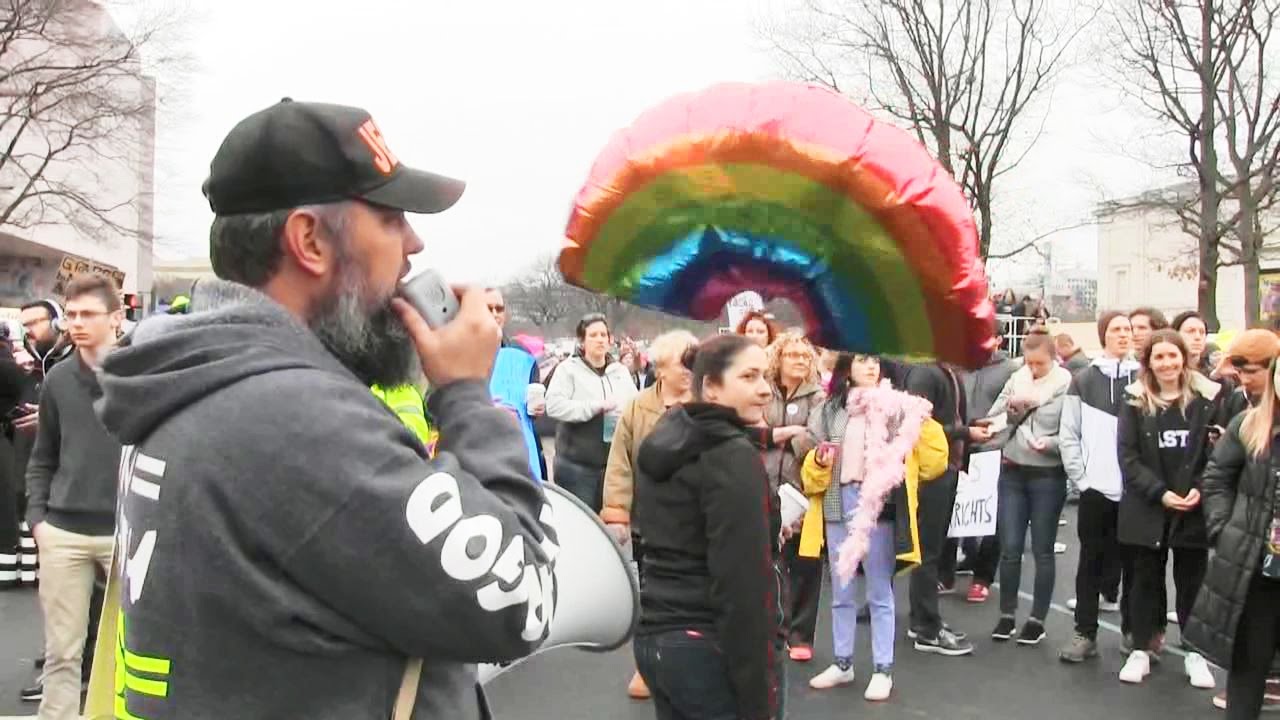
(1257, 346)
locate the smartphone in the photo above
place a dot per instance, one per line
(432, 297)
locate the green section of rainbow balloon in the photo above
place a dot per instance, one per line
(765, 201)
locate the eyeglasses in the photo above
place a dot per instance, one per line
(795, 355)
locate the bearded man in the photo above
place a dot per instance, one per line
(289, 550)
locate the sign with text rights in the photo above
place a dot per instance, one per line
(974, 514)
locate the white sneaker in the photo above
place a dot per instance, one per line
(1136, 668)
(1172, 616)
(1198, 671)
(879, 688)
(1059, 548)
(1108, 607)
(831, 677)
(1071, 604)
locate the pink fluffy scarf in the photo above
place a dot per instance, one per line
(893, 421)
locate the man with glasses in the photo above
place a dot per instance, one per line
(515, 384)
(71, 483)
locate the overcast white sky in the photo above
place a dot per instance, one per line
(517, 97)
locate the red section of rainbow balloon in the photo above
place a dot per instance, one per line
(876, 240)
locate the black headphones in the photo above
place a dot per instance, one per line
(56, 318)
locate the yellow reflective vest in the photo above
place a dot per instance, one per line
(407, 403)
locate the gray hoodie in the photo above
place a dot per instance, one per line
(288, 543)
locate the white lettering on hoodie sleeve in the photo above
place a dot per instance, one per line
(435, 509)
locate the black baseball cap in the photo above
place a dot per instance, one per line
(302, 153)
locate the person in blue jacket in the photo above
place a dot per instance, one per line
(514, 370)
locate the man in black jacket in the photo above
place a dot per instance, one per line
(938, 384)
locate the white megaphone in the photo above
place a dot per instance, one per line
(597, 594)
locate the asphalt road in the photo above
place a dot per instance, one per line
(1000, 681)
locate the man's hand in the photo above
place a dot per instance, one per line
(28, 422)
(1039, 444)
(608, 405)
(537, 409)
(464, 349)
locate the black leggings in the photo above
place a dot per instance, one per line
(1148, 602)
(1257, 639)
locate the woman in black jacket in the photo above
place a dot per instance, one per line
(1236, 620)
(1163, 442)
(710, 642)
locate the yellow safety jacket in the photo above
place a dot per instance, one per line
(406, 402)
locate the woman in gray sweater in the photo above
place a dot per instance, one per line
(1033, 486)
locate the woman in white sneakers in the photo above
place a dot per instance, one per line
(1164, 445)
(878, 444)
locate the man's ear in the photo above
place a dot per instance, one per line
(306, 245)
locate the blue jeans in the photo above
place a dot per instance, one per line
(877, 573)
(1028, 496)
(586, 483)
(688, 678)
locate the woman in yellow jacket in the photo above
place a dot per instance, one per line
(835, 472)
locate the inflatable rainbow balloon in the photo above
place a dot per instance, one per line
(795, 192)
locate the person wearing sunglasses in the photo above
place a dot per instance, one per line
(516, 386)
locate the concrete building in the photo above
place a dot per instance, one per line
(1144, 258)
(110, 168)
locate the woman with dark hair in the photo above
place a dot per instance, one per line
(711, 634)
(1164, 445)
(758, 328)
(859, 418)
(586, 394)
(1195, 334)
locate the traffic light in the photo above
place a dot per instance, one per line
(133, 307)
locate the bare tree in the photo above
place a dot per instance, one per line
(76, 108)
(539, 294)
(1205, 69)
(965, 75)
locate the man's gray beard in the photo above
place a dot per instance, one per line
(366, 336)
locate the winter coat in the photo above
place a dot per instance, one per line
(638, 419)
(1088, 427)
(1143, 516)
(711, 528)
(927, 462)
(1041, 422)
(576, 396)
(783, 462)
(1237, 494)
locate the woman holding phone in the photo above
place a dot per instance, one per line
(1033, 486)
(843, 428)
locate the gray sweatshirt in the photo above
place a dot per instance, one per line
(289, 546)
(71, 475)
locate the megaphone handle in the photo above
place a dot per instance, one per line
(408, 695)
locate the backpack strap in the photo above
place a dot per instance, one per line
(408, 690)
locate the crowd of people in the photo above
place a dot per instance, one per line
(224, 470)
(1148, 440)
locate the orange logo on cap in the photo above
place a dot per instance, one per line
(383, 159)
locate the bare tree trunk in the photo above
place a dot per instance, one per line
(1207, 300)
(1250, 242)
